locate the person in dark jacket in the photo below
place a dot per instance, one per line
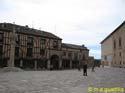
(85, 69)
(79, 68)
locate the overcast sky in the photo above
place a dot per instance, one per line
(79, 22)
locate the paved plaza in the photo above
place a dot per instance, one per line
(64, 81)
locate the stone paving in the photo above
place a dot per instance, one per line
(65, 81)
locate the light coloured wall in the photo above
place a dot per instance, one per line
(107, 50)
(117, 58)
(113, 54)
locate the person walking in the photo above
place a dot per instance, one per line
(79, 68)
(93, 66)
(85, 69)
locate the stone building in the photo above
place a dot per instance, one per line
(36, 49)
(91, 61)
(73, 55)
(113, 47)
(97, 62)
(106, 51)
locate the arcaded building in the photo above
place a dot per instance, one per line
(73, 55)
(113, 47)
(36, 49)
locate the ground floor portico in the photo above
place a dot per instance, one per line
(53, 63)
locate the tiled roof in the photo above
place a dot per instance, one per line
(27, 30)
(73, 46)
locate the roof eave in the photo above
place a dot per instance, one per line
(113, 32)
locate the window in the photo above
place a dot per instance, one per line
(120, 42)
(83, 57)
(76, 56)
(17, 39)
(114, 44)
(64, 53)
(120, 54)
(17, 51)
(120, 62)
(105, 57)
(55, 44)
(69, 54)
(1, 51)
(30, 41)
(29, 52)
(42, 52)
(43, 41)
(4, 25)
(1, 37)
(80, 56)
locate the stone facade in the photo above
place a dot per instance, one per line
(74, 55)
(107, 52)
(114, 47)
(36, 49)
(91, 61)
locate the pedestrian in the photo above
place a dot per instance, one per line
(85, 69)
(79, 68)
(93, 66)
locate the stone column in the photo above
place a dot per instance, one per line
(35, 64)
(60, 64)
(12, 48)
(21, 63)
(70, 64)
(48, 64)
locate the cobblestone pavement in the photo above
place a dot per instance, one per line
(65, 81)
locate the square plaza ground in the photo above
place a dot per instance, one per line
(65, 81)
